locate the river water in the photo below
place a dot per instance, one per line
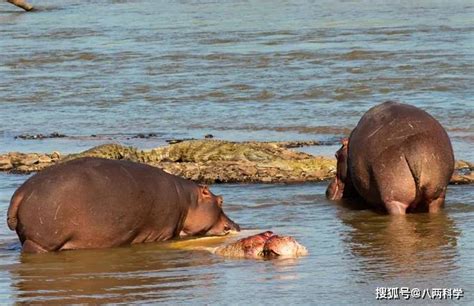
(240, 70)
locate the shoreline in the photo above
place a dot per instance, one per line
(214, 161)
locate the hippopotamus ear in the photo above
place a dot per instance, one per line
(343, 149)
(219, 201)
(204, 190)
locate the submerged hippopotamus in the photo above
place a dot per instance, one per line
(398, 158)
(263, 245)
(100, 203)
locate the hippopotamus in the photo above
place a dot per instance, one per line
(100, 203)
(398, 159)
(22, 4)
(263, 245)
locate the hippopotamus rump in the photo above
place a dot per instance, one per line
(263, 245)
(100, 203)
(398, 158)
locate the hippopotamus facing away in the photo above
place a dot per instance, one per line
(263, 245)
(99, 203)
(398, 158)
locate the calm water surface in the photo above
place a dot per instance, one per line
(240, 70)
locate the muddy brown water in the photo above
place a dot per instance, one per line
(240, 70)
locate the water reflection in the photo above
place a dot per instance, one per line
(402, 246)
(145, 273)
(283, 269)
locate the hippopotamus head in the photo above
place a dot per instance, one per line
(283, 246)
(250, 247)
(335, 189)
(263, 245)
(206, 217)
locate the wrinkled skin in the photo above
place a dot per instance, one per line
(100, 203)
(263, 245)
(398, 159)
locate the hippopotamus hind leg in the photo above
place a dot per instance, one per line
(435, 205)
(396, 207)
(30, 246)
(396, 186)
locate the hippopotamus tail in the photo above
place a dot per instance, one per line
(416, 170)
(15, 202)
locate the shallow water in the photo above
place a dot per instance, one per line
(352, 252)
(263, 70)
